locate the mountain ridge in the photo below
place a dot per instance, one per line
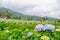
(22, 15)
(18, 14)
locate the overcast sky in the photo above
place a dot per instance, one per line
(50, 8)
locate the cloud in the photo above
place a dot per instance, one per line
(0, 3)
(48, 8)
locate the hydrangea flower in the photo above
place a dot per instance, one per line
(50, 27)
(7, 31)
(44, 28)
(23, 36)
(29, 34)
(38, 27)
(45, 38)
(57, 29)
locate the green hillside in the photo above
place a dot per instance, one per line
(10, 14)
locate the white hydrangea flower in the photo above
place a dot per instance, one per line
(23, 36)
(7, 31)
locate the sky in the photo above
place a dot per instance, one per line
(50, 8)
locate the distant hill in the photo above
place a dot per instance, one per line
(22, 15)
(11, 11)
(19, 14)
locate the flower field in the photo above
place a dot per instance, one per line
(23, 30)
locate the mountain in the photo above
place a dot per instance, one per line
(11, 11)
(24, 16)
(19, 14)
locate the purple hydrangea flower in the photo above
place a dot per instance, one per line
(50, 27)
(29, 34)
(38, 27)
(44, 28)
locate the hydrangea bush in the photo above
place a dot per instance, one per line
(28, 31)
(43, 28)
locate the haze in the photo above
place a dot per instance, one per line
(50, 8)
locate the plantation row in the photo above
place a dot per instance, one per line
(28, 31)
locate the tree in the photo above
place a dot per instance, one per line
(30, 18)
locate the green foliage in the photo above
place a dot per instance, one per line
(15, 31)
(8, 15)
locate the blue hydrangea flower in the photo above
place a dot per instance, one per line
(29, 34)
(44, 28)
(50, 27)
(38, 27)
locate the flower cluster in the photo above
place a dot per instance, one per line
(50, 27)
(45, 38)
(29, 34)
(7, 31)
(43, 28)
(38, 27)
(23, 37)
